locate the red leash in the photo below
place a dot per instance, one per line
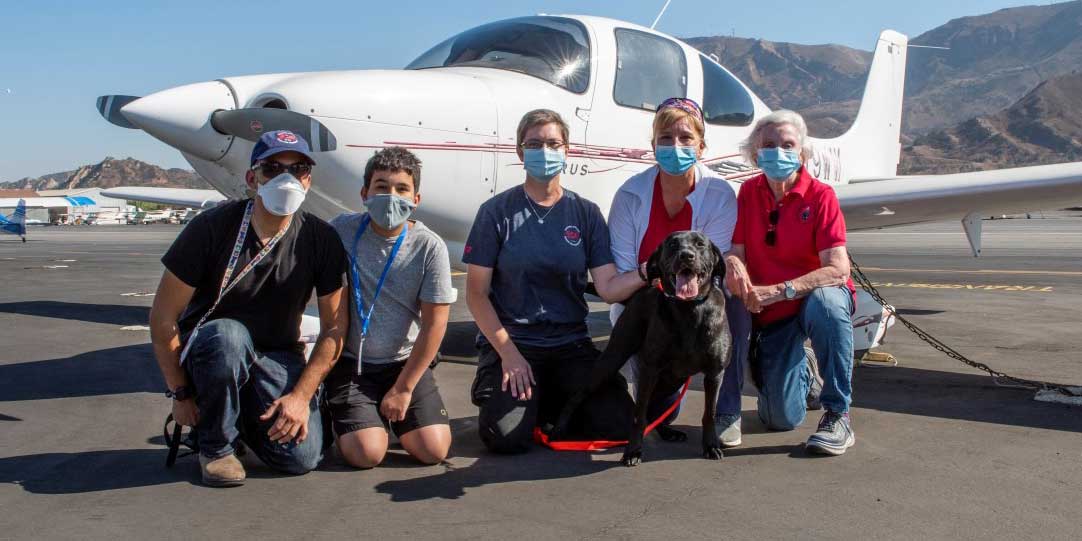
(597, 445)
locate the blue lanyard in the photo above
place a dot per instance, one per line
(365, 318)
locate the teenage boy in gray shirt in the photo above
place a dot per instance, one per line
(401, 276)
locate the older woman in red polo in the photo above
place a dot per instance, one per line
(789, 264)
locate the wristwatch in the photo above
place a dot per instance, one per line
(790, 291)
(180, 394)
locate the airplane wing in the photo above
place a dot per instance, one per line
(871, 203)
(168, 196)
(47, 202)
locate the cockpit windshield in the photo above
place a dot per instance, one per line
(550, 48)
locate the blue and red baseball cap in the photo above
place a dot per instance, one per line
(274, 142)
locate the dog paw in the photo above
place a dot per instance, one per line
(632, 458)
(670, 434)
(713, 453)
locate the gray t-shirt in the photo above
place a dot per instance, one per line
(421, 272)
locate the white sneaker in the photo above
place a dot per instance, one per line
(728, 426)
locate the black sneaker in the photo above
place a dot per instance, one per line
(834, 435)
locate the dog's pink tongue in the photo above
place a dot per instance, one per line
(687, 286)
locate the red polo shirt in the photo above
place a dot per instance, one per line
(661, 224)
(809, 221)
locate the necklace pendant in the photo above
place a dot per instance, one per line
(540, 221)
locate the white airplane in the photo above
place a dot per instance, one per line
(457, 107)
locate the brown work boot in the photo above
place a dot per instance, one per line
(224, 471)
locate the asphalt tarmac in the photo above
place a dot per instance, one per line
(942, 452)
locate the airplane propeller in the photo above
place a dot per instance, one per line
(251, 123)
(109, 107)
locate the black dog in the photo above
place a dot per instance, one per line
(678, 328)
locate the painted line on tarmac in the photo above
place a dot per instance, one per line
(967, 287)
(982, 271)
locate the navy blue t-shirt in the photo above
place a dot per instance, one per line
(539, 269)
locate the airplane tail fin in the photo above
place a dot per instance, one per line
(16, 224)
(872, 146)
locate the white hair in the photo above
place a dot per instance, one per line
(749, 148)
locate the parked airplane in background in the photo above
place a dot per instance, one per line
(15, 224)
(457, 106)
(73, 201)
(70, 202)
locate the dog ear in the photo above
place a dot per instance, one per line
(719, 264)
(653, 266)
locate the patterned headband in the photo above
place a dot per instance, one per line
(684, 104)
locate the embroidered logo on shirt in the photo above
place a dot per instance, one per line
(572, 235)
(805, 213)
(468, 249)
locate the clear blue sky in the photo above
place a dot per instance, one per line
(57, 57)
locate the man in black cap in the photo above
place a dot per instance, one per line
(226, 319)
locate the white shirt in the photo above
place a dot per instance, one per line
(713, 212)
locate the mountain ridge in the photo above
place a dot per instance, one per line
(992, 61)
(110, 173)
(1032, 131)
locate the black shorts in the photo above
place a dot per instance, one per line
(353, 399)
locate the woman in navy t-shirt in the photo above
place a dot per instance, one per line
(528, 254)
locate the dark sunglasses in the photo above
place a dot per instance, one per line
(771, 234)
(272, 169)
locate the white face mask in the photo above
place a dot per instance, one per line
(282, 195)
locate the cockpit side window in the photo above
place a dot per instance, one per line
(725, 101)
(551, 48)
(649, 69)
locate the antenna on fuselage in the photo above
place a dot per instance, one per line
(662, 12)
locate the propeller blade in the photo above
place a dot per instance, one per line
(251, 123)
(109, 107)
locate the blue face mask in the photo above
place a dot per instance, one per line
(543, 164)
(777, 164)
(675, 160)
(389, 210)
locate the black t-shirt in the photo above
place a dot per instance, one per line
(270, 299)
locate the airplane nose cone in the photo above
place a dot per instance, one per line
(180, 117)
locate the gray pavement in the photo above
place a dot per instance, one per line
(941, 451)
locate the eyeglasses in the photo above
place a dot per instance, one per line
(271, 169)
(771, 233)
(536, 144)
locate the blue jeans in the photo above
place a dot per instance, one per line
(235, 384)
(825, 318)
(732, 381)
